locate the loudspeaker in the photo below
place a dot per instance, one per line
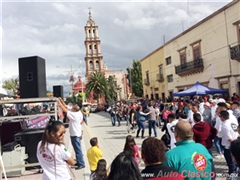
(58, 91)
(30, 139)
(32, 77)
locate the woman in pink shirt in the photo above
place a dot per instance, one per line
(130, 145)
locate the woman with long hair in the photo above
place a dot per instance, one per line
(130, 146)
(101, 172)
(52, 155)
(124, 167)
(140, 118)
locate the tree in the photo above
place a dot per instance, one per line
(111, 94)
(12, 84)
(81, 96)
(134, 77)
(97, 84)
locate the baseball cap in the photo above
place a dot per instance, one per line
(207, 104)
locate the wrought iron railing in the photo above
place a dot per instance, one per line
(160, 78)
(146, 82)
(195, 64)
(235, 52)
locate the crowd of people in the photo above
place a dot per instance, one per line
(213, 121)
(191, 129)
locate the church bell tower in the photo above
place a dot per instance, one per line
(93, 58)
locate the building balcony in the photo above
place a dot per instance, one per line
(160, 78)
(235, 52)
(189, 68)
(146, 82)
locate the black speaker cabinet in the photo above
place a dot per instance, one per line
(30, 139)
(32, 77)
(58, 91)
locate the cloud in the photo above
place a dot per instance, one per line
(55, 31)
(67, 9)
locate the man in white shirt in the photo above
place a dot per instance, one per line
(171, 129)
(190, 113)
(229, 134)
(201, 108)
(75, 129)
(194, 110)
(218, 138)
(213, 110)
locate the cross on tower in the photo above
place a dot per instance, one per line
(89, 9)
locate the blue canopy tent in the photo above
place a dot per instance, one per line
(199, 89)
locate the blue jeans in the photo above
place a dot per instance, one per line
(152, 124)
(85, 119)
(218, 145)
(127, 119)
(140, 124)
(118, 119)
(113, 119)
(76, 143)
(231, 165)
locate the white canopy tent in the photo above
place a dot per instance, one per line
(5, 92)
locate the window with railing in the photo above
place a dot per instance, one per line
(235, 48)
(147, 76)
(170, 78)
(183, 58)
(196, 50)
(161, 71)
(168, 60)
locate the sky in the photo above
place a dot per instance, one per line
(54, 30)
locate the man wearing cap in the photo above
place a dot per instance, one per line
(236, 110)
(207, 115)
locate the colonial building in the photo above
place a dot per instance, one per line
(154, 75)
(208, 52)
(94, 59)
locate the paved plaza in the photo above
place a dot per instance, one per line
(111, 142)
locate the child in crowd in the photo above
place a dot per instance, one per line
(94, 154)
(130, 146)
(101, 171)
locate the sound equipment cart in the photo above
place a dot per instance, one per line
(30, 120)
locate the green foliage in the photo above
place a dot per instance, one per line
(135, 75)
(100, 86)
(81, 96)
(97, 84)
(12, 84)
(111, 94)
(70, 99)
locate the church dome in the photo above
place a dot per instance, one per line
(79, 85)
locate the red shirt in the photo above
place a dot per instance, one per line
(201, 134)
